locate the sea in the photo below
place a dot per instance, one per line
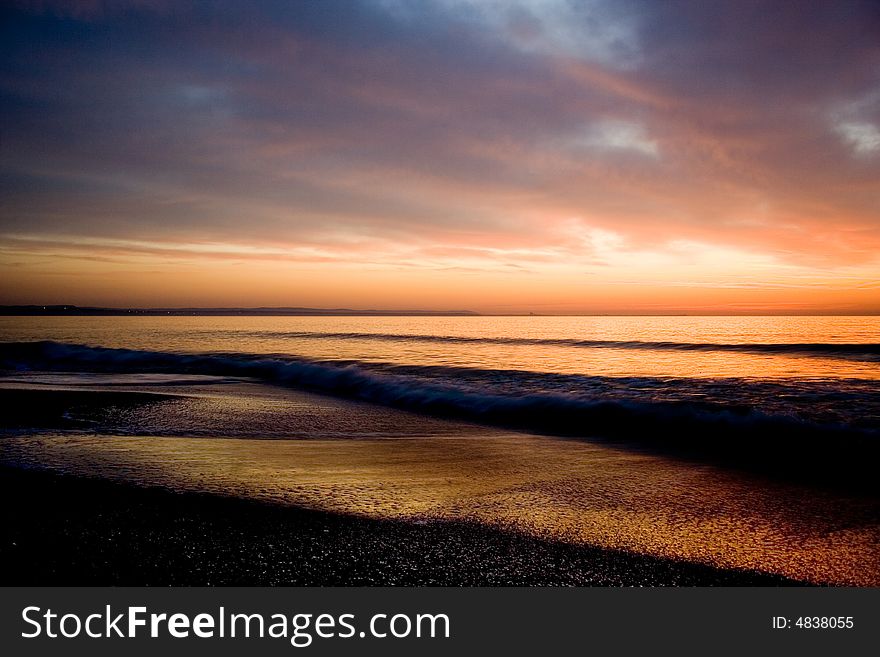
(740, 442)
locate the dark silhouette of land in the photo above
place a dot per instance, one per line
(62, 310)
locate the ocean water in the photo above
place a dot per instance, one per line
(553, 425)
(596, 374)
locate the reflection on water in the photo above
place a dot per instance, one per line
(375, 460)
(560, 489)
(276, 335)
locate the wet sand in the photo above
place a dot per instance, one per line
(421, 474)
(67, 530)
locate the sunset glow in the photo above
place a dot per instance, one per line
(502, 157)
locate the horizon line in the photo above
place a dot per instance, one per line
(31, 310)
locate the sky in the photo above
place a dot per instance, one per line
(512, 156)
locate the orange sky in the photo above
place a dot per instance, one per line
(531, 156)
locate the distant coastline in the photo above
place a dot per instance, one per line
(62, 310)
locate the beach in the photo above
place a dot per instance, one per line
(66, 531)
(446, 292)
(280, 465)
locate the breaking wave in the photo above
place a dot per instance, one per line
(649, 411)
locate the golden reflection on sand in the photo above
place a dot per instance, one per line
(569, 490)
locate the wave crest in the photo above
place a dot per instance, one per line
(850, 351)
(570, 414)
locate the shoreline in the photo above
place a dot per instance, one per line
(66, 530)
